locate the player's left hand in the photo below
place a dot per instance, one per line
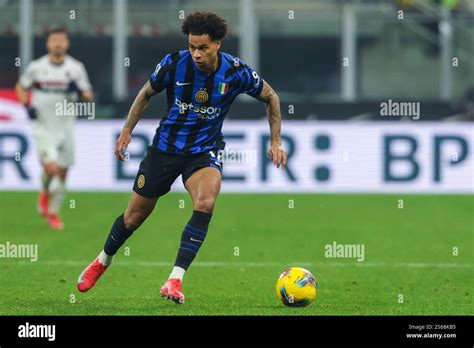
(121, 144)
(278, 156)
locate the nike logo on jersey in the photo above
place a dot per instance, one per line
(182, 83)
(196, 240)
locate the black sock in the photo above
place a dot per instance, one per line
(192, 238)
(117, 236)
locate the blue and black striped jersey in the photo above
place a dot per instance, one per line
(197, 102)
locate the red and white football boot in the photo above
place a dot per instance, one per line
(54, 221)
(90, 275)
(173, 290)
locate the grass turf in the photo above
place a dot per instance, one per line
(408, 252)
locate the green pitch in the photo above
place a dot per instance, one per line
(417, 259)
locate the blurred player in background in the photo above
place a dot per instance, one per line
(201, 84)
(53, 79)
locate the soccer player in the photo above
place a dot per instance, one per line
(53, 78)
(201, 83)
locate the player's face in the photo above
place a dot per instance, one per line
(57, 44)
(203, 50)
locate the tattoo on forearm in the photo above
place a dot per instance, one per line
(139, 105)
(272, 106)
(274, 119)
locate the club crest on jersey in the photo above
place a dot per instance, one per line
(223, 87)
(141, 181)
(201, 96)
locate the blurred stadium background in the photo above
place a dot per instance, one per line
(419, 51)
(328, 61)
(409, 58)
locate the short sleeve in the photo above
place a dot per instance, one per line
(83, 82)
(159, 79)
(252, 83)
(28, 77)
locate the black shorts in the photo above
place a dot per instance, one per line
(158, 170)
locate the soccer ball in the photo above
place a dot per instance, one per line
(296, 287)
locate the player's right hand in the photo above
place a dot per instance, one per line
(121, 145)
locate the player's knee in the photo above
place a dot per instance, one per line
(205, 204)
(133, 220)
(49, 172)
(50, 169)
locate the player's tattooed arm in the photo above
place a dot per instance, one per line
(139, 105)
(272, 105)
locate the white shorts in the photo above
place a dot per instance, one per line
(54, 146)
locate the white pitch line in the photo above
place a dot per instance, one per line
(261, 264)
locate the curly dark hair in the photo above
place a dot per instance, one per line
(199, 23)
